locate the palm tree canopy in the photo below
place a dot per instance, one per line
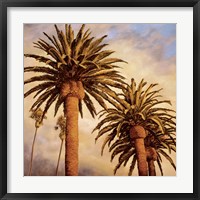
(61, 124)
(139, 105)
(37, 115)
(163, 145)
(73, 58)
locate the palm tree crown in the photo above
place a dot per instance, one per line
(138, 107)
(61, 124)
(72, 61)
(37, 115)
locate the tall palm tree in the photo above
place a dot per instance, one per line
(75, 69)
(61, 124)
(134, 117)
(37, 116)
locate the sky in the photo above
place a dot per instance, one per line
(150, 52)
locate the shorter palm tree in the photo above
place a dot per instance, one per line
(151, 156)
(133, 119)
(157, 147)
(37, 116)
(61, 124)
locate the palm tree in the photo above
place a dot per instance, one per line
(61, 123)
(75, 69)
(135, 117)
(157, 147)
(37, 116)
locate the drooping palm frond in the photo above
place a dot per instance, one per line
(139, 105)
(77, 58)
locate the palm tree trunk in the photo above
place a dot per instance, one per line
(71, 139)
(151, 166)
(59, 157)
(141, 157)
(33, 144)
(151, 157)
(73, 91)
(137, 134)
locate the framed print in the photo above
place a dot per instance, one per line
(99, 100)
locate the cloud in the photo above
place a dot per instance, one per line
(40, 167)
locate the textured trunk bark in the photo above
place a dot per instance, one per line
(59, 157)
(151, 157)
(151, 166)
(32, 151)
(71, 140)
(141, 157)
(137, 134)
(72, 91)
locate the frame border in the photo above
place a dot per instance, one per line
(4, 4)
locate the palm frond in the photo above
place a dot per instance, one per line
(38, 87)
(89, 105)
(51, 99)
(40, 78)
(42, 98)
(42, 59)
(124, 157)
(167, 157)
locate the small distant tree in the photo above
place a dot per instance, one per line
(37, 116)
(61, 124)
